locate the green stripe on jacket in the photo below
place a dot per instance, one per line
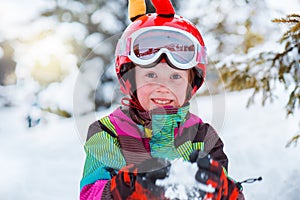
(102, 152)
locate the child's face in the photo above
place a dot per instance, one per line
(161, 86)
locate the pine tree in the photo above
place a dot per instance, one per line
(266, 69)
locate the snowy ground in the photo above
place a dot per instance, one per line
(255, 140)
(45, 162)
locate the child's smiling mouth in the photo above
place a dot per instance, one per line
(163, 102)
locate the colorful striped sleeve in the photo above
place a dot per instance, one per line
(102, 153)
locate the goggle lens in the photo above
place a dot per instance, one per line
(149, 43)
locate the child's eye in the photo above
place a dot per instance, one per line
(151, 75)
(175, 76)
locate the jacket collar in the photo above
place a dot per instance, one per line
(145, 117)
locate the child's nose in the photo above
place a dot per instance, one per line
(163, 84)
(162, 88)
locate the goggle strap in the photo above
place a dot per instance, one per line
(128, 44)
(201, 55)
(198, 58)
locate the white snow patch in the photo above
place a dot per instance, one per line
(181, 182)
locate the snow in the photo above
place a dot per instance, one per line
(43, 162)
(255, 140)
(179, 185)
(46, 161)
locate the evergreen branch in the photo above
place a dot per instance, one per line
(292, 18)
(293, 140)
(262, 71)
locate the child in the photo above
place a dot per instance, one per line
(160, 64)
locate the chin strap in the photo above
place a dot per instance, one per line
(132, 103)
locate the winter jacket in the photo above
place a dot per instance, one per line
(127, 137)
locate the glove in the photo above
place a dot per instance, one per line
(211, 173)
(138, 181)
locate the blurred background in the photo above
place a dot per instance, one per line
(57, 65)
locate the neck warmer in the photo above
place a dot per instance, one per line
(161, 126)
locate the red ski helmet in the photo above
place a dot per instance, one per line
(139, 45)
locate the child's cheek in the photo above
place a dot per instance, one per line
(144, 92)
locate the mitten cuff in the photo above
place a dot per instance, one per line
(233, 191)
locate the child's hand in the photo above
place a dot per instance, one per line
(138, 181)
(211, 173)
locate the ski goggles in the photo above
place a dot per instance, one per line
(146, 47)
